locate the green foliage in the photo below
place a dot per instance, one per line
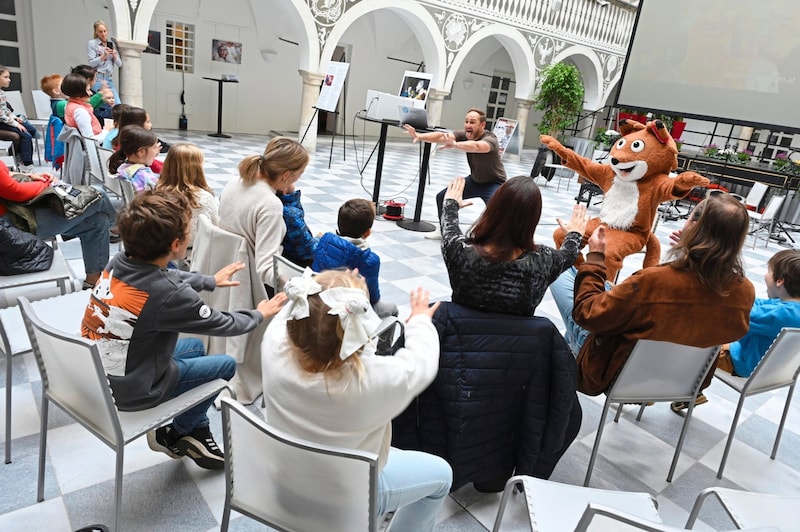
(560, 97)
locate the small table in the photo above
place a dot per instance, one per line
(414, 224)
(220, 81)
(560, 177)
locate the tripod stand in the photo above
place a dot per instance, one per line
(778, 228)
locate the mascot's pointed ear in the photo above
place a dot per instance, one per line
(629, 126)
(657, 128)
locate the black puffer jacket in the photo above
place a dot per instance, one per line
(22, 252)
(504, 398)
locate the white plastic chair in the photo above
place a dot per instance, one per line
(657, 372)
(74, 379)
(556, 507)
(765, 221)
(14, 99)
(750, 510)
(67, 313)
(778, 368)
(618, 518)
(41, 103)
(756, 194)
(282, 270)
(293, 484)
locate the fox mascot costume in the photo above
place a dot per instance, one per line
(634, 183)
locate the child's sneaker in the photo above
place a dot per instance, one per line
(163, 440)
(26, 168)
(200, 446)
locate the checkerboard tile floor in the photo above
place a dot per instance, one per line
(162, 494)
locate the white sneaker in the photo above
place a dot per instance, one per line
(436, 234)
(26, 168)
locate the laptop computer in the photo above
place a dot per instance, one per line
(414, 117)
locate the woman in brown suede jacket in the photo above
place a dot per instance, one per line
(700, 297)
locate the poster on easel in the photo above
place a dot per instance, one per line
(505, 129)
(332, 86)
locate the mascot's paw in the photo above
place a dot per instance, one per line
(692, 179)
(548, 141)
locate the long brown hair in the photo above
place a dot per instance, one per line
(131, 140)
(183, 172)
(509, 221)
(712, 246)
(281, 155)
(317, 339)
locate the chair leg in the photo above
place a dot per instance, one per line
(42, 448)
(698, 504)
(730, 436)
(226, 516)
(619, 413)
(8, 407)
(596, 444)
(118, 486)
(641, 411)
(678, 448)
(783, 421)
(501, 510)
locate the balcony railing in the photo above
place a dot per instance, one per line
(603, 24)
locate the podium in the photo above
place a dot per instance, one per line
(220, 81)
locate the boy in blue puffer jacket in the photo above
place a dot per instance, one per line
(348, 248)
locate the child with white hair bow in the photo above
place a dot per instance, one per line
(323, 382)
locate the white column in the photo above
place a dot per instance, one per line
(435, 101)
(130, 83)
(744, 137)
(523, 110)
(308, 118)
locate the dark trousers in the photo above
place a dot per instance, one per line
(471, 190)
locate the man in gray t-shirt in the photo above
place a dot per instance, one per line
(483, 156)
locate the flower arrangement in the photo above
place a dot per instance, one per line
(710, 150)
(744, 156)
(605, 138)
(781, 160)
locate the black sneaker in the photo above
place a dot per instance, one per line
(200, 446)
(163, 439)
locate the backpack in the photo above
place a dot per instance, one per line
(22, 252)
(53, 148)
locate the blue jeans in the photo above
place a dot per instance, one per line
(196, 368)
(91, 227)
(471, 190)
(414, 485)
(563, 292)
(25, 140)
(109, 79)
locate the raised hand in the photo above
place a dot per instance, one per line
(224, 277)
(419, 299)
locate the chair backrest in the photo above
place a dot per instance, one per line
(293, 484)
(96, 170)
(282, 270)
(14, 99)
(72, 375)
(773, 208)
(756, 194)
(779, 366)
(662, 371)
(41, 102)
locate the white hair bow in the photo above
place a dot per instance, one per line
(355, 314)
(297, 290)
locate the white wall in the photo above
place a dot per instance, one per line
(268, 95)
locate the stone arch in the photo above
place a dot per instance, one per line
(120, 16)
(518, 49)
(303, 23)
(591, 70)
(419, 20)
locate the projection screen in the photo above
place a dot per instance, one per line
(731, 61)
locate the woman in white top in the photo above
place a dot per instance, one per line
(250, 207)
(323, 382)
(104, 56)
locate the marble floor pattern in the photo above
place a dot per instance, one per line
(164, 494)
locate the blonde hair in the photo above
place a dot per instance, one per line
(317, 339)
(281, 155)
(183, 172)
(98, 23)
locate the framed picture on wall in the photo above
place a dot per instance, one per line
(226, 51)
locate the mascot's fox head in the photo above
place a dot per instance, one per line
(643, 150)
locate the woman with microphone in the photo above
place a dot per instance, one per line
(104, 55)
